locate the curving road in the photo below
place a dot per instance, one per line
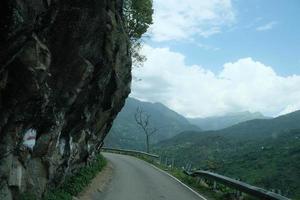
(134, 179)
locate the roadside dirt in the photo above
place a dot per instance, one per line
(98, 184)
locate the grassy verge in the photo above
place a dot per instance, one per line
(73, 185)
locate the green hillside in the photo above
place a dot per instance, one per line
(265, 153)
(126, 134)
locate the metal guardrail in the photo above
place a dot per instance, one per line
(132, 152)
(238, 185)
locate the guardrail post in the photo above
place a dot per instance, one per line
(188, 167)
(202, 182)
(215, 185)
(238, 194)
(272, 190)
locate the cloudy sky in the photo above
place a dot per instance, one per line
(211, 57)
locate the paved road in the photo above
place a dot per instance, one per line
(134, 179)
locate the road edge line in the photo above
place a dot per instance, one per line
(171, 176)
(176, 179)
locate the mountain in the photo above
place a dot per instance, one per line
(125, 132)
(263, 152)
(221, 122)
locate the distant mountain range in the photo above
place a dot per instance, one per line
(263, 152)
(259, 150)
(221, 122)
(125, 132)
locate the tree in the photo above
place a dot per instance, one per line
(138, 18)
(143, 121)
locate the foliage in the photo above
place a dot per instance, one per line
(269, 162)
(138, 18)
(138, 59)
(27, 196)
(73, 185)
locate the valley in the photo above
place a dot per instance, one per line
(262, 151)
(125, 133)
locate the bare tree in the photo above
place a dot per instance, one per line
(142, 119)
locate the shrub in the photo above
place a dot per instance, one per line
(73, 185)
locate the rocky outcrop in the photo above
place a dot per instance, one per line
(65, 72)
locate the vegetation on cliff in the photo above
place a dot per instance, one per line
(73, 185)
(138, 19)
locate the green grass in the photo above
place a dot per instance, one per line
(73, 185)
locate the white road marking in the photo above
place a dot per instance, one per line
(196, 193)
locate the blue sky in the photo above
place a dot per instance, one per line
(212, 57)
(278, 46)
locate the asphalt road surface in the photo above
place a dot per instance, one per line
(134, 179)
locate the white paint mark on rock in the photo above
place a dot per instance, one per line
(71, 144)
(29, 138)
(62, 144)
(89, 147)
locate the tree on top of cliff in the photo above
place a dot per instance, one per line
(138, 18)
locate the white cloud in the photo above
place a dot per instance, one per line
(194, 91)
(181, 19)
(290, 108)
(267, 26)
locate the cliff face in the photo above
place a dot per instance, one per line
(65, 72)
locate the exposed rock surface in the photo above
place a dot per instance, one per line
(65, 72)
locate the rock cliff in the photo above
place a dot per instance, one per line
(65, 71)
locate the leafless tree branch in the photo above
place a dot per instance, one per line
(143, 120)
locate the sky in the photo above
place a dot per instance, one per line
(212, 57)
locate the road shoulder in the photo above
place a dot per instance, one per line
(99, 183)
